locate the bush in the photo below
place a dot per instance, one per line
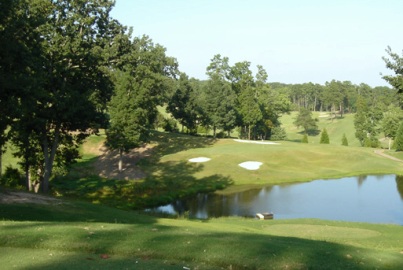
(170, 125)
(371, 141)
(344, 140)
(11, 178)
(324, 137)
(278, 134)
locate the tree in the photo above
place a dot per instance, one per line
(140, 84)
(395, 64)
(390, 123)
(218, 99)
(72, 77)
(304, 138)
(324, 137)
(344, 140)
(183, 104)
(249, 109)
(19, 58)
(399, 138)
(305, 120)
(334, 96)
(278, 134)
(366, 123)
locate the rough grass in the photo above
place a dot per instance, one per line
(76, 235)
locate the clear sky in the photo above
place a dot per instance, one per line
(296, 41)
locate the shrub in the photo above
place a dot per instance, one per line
(11, 178)
(324, 137)
(278, 134)
(170, 125)
(371, 141)
(344, 140)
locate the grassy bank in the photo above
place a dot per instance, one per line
(73, 235)
(169, 175)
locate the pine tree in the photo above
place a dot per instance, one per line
(344, 140)
(324, 137)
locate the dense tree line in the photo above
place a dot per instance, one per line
(67, 69)
(231, 98)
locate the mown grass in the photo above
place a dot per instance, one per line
(77, 235)
(335, 126)
(170, 176)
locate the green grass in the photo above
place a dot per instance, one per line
(8, 158)
(171, 176)
(335, 127)
(80, 235)
(75, 235)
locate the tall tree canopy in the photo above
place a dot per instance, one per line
(395, 63)
(141, 84)
(71, 70)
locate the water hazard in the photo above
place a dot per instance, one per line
(373, 199)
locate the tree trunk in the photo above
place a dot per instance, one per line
(28, 183)
(49, 158)
(1, 161)
(390, 142)
(248, 132)
(214, 131)
(120, 159)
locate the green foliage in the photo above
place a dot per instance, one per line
(304, 119)
(399, 138)
(344, 140)
(218, 99)
(278, 134)
(371, 141)
(395, 64)
(139, 87)
(304, 138)
(11, 178)
(324, 137)
(366, 123)
(170, 125)
(183, 104)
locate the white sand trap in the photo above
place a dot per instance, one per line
(256, 142)
(199, 159)
(251, 165)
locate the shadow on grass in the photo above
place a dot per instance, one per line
(165, 183)
(199, 248)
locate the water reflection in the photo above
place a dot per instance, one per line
(367, 199)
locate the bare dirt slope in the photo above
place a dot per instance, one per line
(106, 165)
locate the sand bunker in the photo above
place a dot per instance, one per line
(256, 142)
(251, 165)
(199, 159)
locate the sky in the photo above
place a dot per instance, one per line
(296, 41)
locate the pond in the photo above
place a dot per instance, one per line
(373, 199)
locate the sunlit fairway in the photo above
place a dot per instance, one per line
(285, 162)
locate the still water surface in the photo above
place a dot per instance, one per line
(373, 199)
